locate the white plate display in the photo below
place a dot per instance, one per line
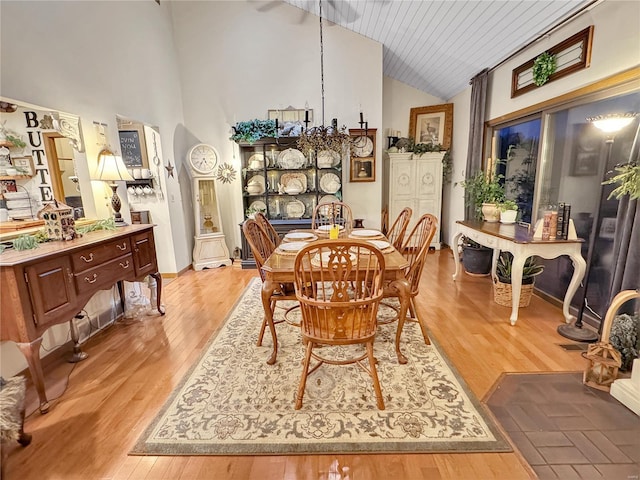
(363, 146)
(366, 233)
(300, 236)
(328, 199)
(259, 179)
(258, 206)
(291, 158)
(330, 183)
(295, 209)
(294, 181)
(328, 159)
(256, 161)
(292, 246)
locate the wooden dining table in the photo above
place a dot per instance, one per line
(279, 269)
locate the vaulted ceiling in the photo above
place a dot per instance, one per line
(438, 46)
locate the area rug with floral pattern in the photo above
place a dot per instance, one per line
(233, 403)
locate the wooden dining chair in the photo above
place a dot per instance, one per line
(415, 249)
(384, 221)
(266, 225)
(333, 312)
(261, 248)
(334, 213)
(399, 228)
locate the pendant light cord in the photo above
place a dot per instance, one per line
(321, 62)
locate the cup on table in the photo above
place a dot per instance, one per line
(334, 233)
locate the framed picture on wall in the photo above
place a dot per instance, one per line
(133, 146)
(24, 165)
(432, 124)
(586, 150)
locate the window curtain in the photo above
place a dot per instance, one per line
(626, 252)
(476, 128)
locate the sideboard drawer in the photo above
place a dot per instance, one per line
(105, 274)
(93, 256)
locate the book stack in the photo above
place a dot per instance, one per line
(562, 224)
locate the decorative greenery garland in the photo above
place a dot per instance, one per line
(253, 130)
(543, 66)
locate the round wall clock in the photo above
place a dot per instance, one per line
(203, 158)
(363, 146)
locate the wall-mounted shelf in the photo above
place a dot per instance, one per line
(14, 177)
(141, 182)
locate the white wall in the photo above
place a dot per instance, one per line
(237, 62)
(616, 47)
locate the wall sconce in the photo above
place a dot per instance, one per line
(111, 169)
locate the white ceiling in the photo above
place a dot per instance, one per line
(438, 46)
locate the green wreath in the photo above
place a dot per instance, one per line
(543, 66)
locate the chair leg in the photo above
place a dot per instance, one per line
(374, 376)
(264, 326)
(303, 378)
(423, 327)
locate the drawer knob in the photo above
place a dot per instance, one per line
(125, 264)
(94, 279)
(122, 247)
(88, 260)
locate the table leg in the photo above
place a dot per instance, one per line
(158, 278)
(494, 263)
(456, 255)
(31, 352)
(268, 288)
(516, 285)
(579, 268)
(402, 289)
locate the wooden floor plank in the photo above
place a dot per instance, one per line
(133, 367)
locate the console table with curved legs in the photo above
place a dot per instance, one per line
(519, 240)
(52, 283)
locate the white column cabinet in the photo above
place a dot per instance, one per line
(415, 181)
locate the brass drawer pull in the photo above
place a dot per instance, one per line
(125, 264)
(94, 280)
(88, 260)
(122, 247)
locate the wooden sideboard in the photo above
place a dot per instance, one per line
(51, 284)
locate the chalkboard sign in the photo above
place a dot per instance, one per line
(132, 145)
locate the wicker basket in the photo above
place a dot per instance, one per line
(502, 293)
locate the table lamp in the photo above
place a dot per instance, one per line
(111, 168)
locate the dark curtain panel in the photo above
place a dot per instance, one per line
(626, 252)
(476, 128)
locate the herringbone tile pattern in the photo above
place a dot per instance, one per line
(566, 430)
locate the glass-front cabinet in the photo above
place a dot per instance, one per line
(286, 185)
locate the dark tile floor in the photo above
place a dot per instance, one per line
(566, 430)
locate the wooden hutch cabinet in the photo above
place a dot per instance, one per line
(284, 184)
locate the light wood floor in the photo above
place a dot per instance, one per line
(132, 368)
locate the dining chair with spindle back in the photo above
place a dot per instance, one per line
(415, 249)
(269, 229)
(261, 248)
(333, 312)
(399, 228)
(334, 213)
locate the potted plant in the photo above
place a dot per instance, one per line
(502, 282)
(476, 258)
(508, 211)
(482, 191)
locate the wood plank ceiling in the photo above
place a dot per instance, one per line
(438, 46)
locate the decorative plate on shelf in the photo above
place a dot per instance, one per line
(294, 181)
(328, 159)
(259, 179)
(291, 158)
(330, 183)
(295, 209)
(256, 161)
(258, 206)
(328, 199)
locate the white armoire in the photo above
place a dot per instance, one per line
(415, 181)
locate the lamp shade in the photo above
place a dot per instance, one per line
(111, 167)
(612, 123)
